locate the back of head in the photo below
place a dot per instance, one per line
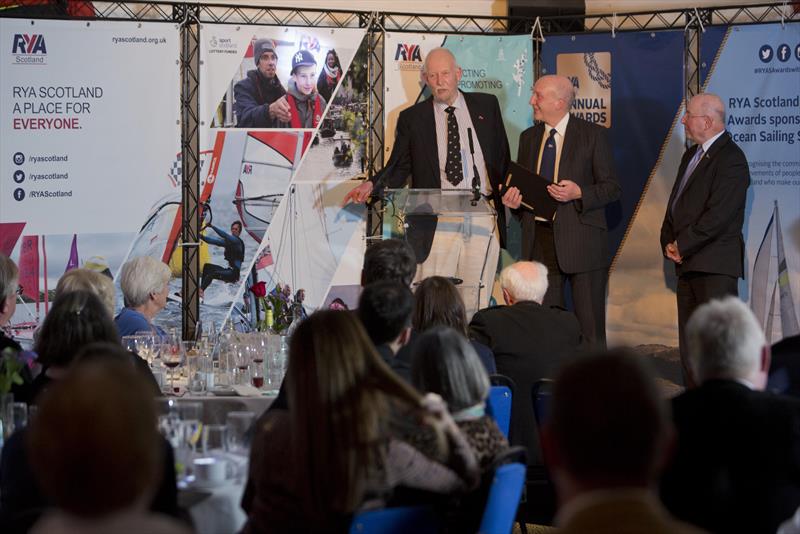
(94, 445)
(608, 423)
(390, 259)
(337, 386)
(88, 280)
(445, 363)
(438, 303)
(525, 281)
(725, 340)
(76, 319)
(140, 277)
(385, 310)
(9, 277)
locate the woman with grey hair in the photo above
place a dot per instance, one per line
(444, 362)
(9, 289)
(144, 283)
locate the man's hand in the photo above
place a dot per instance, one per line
(565, 191)
(359, 194)
(672, 253)
(512, 198)
(280, 110)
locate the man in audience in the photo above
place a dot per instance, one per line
(605, 440)
(736, 467)
(529, 342)
(385, 311)
(389, 259)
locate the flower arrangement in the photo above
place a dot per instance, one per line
(15, 368)
(280, 301)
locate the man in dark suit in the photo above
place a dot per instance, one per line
(702, 229)
(529, 342)
(736, 467)
(576, 156)
(423, 146)
(605, 443)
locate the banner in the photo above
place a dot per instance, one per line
(89, 121)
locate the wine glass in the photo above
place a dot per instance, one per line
(241, 359)
(172, 356)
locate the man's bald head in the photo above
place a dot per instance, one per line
(552, 98)
(704, 117)
(524, 280)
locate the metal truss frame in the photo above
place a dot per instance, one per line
(191, 16)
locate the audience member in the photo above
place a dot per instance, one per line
(529, 342)
(96, 451)
(389, 259)
(9, 289)
(22, 500)
(144, 283)
(385, 311)
(88, 280)
(331, 454)
(605, 441)
(736, 467)
(444, 363)
(784, 368)
(438, 303)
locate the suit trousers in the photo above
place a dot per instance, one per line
(588, 288)
(693, 290)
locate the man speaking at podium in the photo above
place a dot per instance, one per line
(433, 141)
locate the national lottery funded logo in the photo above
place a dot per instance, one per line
(28, 49)
(408, 56)
(590, 74)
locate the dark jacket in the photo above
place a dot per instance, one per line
(251, 99)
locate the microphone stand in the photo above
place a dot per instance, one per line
(476, 181)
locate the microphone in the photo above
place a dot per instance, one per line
(476, 181)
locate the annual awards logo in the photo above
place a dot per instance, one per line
(590, 73)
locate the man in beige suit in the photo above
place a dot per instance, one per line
(605, 443)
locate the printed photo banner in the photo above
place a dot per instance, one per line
(88, 146)
(253, 163)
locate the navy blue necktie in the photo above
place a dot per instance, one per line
(547, 168)
(452, 166)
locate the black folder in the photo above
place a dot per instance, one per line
(533, 188)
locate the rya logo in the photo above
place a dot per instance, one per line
(28, 44)
(407, 52)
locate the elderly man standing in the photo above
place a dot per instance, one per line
(259, 99)
(736, 467)
(433, 139)
(529, 341)
(702, 229)
(576, 156)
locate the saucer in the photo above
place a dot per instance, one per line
(223, 391)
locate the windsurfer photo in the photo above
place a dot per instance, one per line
(233, 246)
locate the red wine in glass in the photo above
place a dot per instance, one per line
(258, 381)
(172, 364)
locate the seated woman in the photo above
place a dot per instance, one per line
(438, 303)
(144, 283)
(444, 363)
(333, 454)
(92, 281)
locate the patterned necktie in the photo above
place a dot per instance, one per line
(547, 168)
(452, 167)
(698, 155)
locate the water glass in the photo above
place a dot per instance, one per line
(238, 424)
(214, 440)
(17, 415)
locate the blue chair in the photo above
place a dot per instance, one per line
(499, 406)
(503, 501)
(541, 392)
(400, 520)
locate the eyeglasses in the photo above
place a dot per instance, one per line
(20, 290)
(691, 115)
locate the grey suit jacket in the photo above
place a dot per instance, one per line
(580, 225)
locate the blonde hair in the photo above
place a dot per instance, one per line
(88, 280)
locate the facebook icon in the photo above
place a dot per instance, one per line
(784, 53)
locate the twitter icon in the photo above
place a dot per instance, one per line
(765, 54)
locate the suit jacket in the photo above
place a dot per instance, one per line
(416, 154)
(529, 342)
(736, 467)
(624, 515)
(580, 225)
(708, 216)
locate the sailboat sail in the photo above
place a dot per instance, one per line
(29, 268)
(789, 326)
(761, 270)
(73, 261)
(768, 328)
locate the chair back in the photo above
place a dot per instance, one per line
(504, 496)
(541, 393)
(499, 407)
(400, 520)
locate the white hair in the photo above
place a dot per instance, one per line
(725, 340)
(142, 276)
(440, 49)
(9, 277)
(525, 280)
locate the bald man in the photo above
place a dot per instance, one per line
(576, 156)
(702, 230)
(422, 150)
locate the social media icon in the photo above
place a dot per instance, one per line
(19, 158)
(784, 53)
(765, 54)
(797, 52)
(19, 194)
(19, 176)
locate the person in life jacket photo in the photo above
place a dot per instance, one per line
(306, 105)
